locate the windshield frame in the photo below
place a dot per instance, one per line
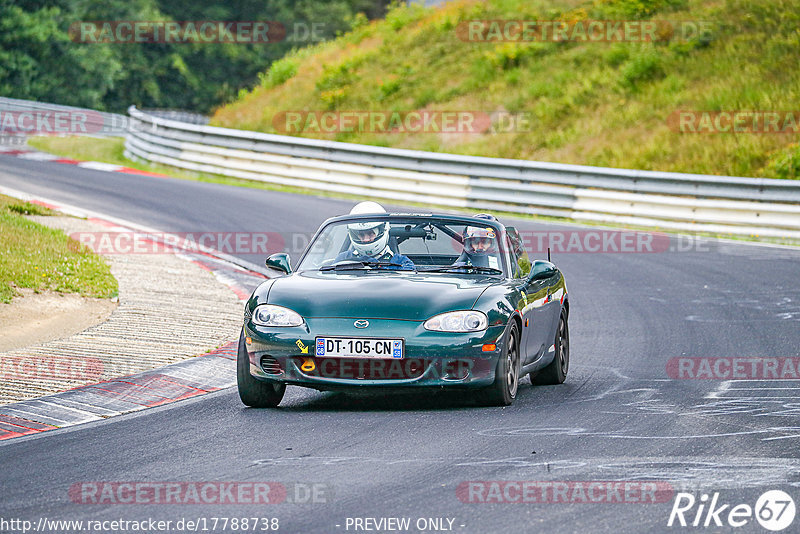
(415, 218)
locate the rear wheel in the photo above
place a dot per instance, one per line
(506, 381)
(556, 372)
(253, 392)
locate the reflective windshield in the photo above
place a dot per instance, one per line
(430, 244)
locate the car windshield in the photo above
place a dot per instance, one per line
(427, 244)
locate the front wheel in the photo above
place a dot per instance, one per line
(556, 371)
(255, 393)
(506, 381)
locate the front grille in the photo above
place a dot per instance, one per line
(365, 369)
(270, 365)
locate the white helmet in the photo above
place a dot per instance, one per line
(369, 237)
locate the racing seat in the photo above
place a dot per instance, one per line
(393, 244)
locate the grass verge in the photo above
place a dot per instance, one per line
(39, 258)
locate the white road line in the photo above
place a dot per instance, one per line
(38, 156)
(764, 389)
(721, 389)
(98, 166)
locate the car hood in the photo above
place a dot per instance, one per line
(374, 295)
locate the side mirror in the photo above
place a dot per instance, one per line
(280, 262)
(542, 269)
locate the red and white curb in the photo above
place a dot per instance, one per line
(36, 155)
(203, 374)
(196, 376)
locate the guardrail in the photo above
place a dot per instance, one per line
(178, 115)
(720, 204)
(31, 118)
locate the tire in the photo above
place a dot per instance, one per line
(253, 392)
(506, 382)
(556, 371)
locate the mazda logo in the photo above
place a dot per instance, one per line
(361, 323)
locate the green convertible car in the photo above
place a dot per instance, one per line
(384, 300)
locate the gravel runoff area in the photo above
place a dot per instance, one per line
(170, 309)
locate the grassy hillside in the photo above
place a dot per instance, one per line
(594, 103)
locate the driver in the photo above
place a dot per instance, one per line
(480, 245)
(370, 240)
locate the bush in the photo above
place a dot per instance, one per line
(26, 208)
(401, 15)
(389, 87)
(333, 97)
(339, 75)
(506, 56)
(637, 8)
(617, 55)
(644, 66)
(786, 163)
(279, 72)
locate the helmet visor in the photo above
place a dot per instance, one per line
(365, 236)
(480, 240)
(480, 243)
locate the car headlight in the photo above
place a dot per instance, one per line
(458, 321)
(271, 315)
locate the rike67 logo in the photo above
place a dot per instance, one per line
(774, 510)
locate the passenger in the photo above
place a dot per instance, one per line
(480, 246)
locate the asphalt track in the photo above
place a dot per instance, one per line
(619, 416)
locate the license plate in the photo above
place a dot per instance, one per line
(358, 347)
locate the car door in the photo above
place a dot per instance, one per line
(540, 303)
(542, 307)
(520, 268)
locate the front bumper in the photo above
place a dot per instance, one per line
(431, 359)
